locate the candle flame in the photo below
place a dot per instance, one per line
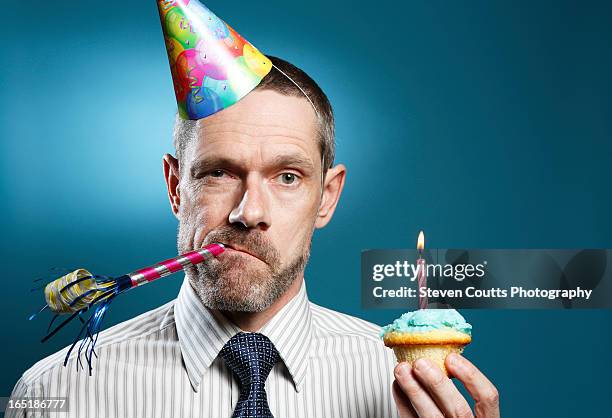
(421, 241)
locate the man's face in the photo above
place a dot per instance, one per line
(252, 181)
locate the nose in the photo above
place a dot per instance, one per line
(252, 210)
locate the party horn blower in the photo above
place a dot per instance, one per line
(78, 291)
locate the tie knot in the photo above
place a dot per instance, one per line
(250, 356)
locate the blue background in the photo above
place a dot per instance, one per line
(487, 124)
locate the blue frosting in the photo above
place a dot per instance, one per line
(425, 320)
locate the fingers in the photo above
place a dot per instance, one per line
(422, 403)
(442, 390)
(482, 390)
(403, 403)
(432, 394)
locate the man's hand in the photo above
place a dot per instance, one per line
(425, 391)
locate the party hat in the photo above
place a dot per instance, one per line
(212, 66)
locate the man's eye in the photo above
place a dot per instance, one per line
(288, 178)
(216, 173)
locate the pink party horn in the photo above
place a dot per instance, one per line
(76, 292)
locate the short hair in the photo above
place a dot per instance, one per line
(185, 129)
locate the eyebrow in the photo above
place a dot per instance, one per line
(293, 160)
(207, 164)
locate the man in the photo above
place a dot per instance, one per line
(242, 338)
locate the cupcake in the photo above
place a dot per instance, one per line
(429, 333)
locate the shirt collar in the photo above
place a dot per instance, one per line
(202, 333)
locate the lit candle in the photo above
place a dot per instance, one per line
(421, 271)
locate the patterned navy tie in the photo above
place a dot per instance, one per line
(251, 357)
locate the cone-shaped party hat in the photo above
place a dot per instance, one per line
(212, 66)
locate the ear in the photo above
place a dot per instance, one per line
(171, 174)
(332, 188)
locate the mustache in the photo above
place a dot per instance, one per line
(253, 242)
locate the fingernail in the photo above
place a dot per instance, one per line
(453, 360)
(402, 370)
(422, 365)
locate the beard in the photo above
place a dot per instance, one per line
(237, 282)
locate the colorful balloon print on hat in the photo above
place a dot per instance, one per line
(212, 66)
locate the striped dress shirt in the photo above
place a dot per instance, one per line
(165, 363)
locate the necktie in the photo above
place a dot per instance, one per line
(251, 356)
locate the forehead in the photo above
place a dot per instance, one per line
(263, 121)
